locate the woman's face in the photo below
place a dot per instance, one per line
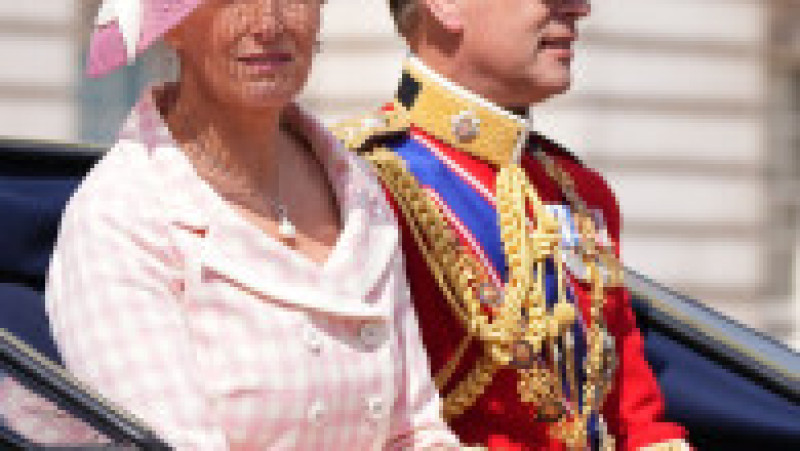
(247, 53)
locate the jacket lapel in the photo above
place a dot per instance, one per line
(244, 256)
(333, 299)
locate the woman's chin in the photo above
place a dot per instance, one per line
(262, 95)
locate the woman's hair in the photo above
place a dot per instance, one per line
(160, 63)
(404, 13)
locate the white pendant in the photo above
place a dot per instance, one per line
(286, 229)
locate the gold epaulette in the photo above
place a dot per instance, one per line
(358, 132)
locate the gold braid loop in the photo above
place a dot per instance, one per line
(467, 391)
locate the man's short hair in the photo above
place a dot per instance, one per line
(404, 13)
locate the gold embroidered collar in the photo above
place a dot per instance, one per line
(459, 117)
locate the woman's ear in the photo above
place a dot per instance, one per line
(447, 12)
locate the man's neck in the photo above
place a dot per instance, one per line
(462, 73)
(446, 74)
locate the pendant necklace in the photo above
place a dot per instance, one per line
(206, 161)
(286, 228)
(214, 167)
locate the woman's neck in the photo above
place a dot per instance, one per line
(246, 132)
(236, 149)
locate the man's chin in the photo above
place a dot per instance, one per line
(543, 91)
(561, 88)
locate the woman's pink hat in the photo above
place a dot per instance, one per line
(126, 28)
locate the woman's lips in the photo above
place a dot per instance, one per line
(265, 62)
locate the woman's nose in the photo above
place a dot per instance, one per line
(265, 18)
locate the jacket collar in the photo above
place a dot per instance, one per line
(231, 247)
(459, 117)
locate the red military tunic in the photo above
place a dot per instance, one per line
(499, 419)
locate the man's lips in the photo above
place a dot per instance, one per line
(559, 44)
(557, 41)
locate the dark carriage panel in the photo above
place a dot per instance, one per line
(732, 387)
(36, 181)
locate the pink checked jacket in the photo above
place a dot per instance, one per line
(170, 304)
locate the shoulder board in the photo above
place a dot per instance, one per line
(361, 132)
(554, 149)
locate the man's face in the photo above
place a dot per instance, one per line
(519, 52)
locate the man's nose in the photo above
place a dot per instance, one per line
(577, 8)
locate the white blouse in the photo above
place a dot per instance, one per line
(171, 305)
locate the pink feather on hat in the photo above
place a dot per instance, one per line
(126, 28)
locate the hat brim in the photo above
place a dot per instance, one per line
(107, 51)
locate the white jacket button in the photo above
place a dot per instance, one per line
(372, 334)
(317, 411)
(376, 408)
(313, 340)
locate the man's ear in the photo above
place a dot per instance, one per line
(447, 12)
